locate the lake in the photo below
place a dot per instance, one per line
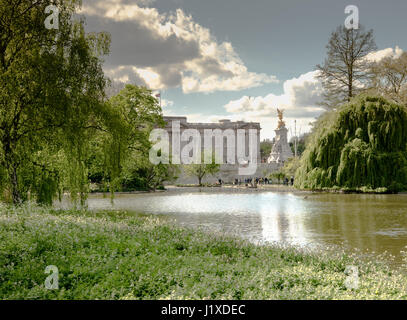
(368, 222)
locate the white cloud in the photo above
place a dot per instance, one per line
(378, 55)
(299, 99)
(168, 50)
(299, 102)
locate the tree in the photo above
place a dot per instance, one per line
(291, 166)
(150, 176)
(120, 157)
(279, 175)
(390, 78)
(51, 98)
(202, 169)
(265, 148)
(344, 72)
(301, 141)
(360, 146)
(138, 112)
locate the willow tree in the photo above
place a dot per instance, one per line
(51, 98)
(120, 154)
(362, 145)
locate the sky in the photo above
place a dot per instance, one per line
(235, 59)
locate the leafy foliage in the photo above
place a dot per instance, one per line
(301, 142)
(279, 175)
(56, 128)
(290, 166)
(265, 149)
(51, 99)
(361, 145)
(119, 158)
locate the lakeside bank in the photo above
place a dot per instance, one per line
(216, 189)
(228, 188)
(117, 255)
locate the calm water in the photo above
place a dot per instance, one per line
(374, 222)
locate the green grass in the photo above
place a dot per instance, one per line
(116, 255)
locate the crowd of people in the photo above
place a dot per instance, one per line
(257, 181)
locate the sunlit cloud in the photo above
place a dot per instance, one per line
(168, 50)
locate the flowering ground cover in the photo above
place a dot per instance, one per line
(121, 255)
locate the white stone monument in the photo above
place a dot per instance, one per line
(281, 150)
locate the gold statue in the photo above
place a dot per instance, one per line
(281, 123)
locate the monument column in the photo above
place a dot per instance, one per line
(281, 150)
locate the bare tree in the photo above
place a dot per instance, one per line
(344, 72)
(390, 77)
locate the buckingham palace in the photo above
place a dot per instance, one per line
(229, 170)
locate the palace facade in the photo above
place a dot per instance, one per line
(224, 126)
(229, 170)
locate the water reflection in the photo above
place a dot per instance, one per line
(374, 222)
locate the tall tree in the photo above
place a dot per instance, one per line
(51, 97)
(344, 72)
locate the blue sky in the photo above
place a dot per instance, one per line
(208, 57)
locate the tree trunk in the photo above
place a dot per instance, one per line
(15, 192)
(11, 167)
(350, 86)
(200, 181)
